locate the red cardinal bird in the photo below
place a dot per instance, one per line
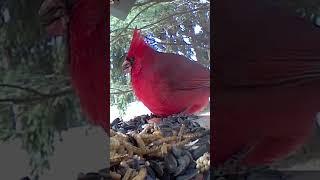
(166, 83)
(266, 81)
(85, 23)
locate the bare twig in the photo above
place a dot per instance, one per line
(147, 2)
(119, 91)
(154, 23)
(174, 44)
(144, 9)
(174, 14)
(23, 88)
(18, 100)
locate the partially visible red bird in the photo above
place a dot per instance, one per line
(166, 83)
(85, 22)
(266, 81)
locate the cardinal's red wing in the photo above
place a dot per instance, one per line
(183, 74)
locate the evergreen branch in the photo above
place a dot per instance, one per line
(18, 100)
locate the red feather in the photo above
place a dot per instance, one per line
(167, 83)
(267, 81)
(88, 47)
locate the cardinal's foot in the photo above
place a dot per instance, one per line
(157, 118)
(182, 115)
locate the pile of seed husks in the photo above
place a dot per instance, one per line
(177, 147)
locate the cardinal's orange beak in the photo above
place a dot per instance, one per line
(126, 67)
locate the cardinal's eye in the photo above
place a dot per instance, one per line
(131, 60)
